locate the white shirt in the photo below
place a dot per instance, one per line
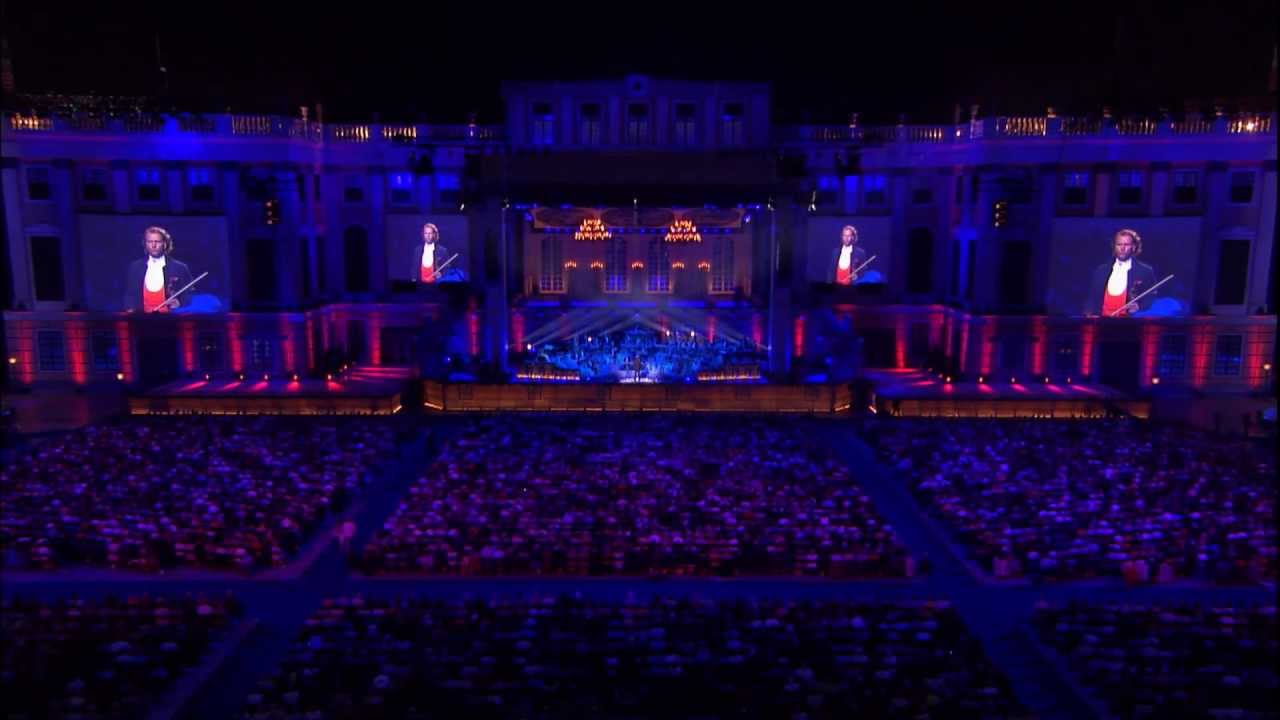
(154, 281)
(1118, 283)
(429, 255)
(846, 256)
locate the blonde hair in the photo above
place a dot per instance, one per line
(168, 239)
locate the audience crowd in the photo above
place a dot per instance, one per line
(110, 659)
(239, 493)
(636, 496)
(1173, 662)
(1072, 500)
(565, 657)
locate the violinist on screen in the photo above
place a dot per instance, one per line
(156, 277)
(846, 258)
(1116, 283)
(428, 256)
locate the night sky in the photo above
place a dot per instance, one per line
(437, 65)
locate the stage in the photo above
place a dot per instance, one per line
(359, 391)
(612, 397)
(916, 393)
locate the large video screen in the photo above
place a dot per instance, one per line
(407, 258)
(866, 261)
(1098, 270)
(120, 273)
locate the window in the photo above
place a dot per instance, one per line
(1017, 188)
(873, 190)
(106, 352)
(200, 180)
(93, 185)
(551, 280)
(722, 280)
(355, 255)
(733, 124)
(261, 258)
(543, 124)
(46, 266)
(1233, 272)
(148, 185)
(828, 190)
(1065, 362)
(1242, 187)
(1075, 189)
(1015, 273)
(38, 187)
(616, 272)
(210, 349)
(920, 261)
(1227, 359)
(401, 189)
(261, 354)
(449, 188)
(921, 194)
(50, 352)
(1171, 362)
(637, 124)
(1129, 184)
(1186, 187)
(353, 189)
(659, 264)
(590, 125)
(686, 124)
(1013, 353)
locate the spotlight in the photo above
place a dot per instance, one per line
(120, 376)
(206, 377)
(295, 377)
(1266, 367)
(266, 376)
(948, 379)
(1155, 381)
(528, 347)
(982, 379)
(13, 361)
(462, 206)
(329, 377)
(240, 377)
(1013, 381)
(1068, 381)
(1046, 379)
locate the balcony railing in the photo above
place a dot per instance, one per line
(1020, 128)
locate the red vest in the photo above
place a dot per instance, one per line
(1112, 303)
(844, 276)
(428, 271)
(152, 300)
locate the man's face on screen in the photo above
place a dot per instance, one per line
(1123, 247)
(155, 245)
(847, 237)
(429, 234)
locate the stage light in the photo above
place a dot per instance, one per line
(1046, 379)
(1155, 381)
(948, 379)
(1266, 367)
(329, 377)
(240, 377)
(462, 206)
(266, 376)
(13, 361)
(528, 347)
(120, 376)
(206, 377)
(295, 377)
(982, 379)
(1013, 381)
(1068, 381)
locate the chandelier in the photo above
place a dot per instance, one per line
(592, 229)
(683, 231)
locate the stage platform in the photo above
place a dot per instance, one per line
(360, 391)
(579, 397)
(916, 393)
